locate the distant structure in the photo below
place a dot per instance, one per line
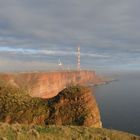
(78, 59)
(60, 64)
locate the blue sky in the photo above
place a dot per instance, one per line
(34, 34)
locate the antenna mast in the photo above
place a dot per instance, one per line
(78, 59)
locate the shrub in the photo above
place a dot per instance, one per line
(17, 106)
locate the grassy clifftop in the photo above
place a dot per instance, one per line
(34, 132)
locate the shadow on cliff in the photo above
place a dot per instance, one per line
(74, 106)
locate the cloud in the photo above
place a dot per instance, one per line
(105, 29)
(8, 65)
(40, 52)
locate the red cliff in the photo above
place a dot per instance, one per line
(74, 106)
(49, 84)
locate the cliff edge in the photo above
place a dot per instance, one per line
(49, 84)
(74, 105)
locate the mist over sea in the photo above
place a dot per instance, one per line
(119, 103)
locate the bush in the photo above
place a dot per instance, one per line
(17, 106)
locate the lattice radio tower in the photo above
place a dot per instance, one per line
(78, 59)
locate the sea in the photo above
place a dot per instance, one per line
(119, 103)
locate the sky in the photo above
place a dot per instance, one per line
(35, 34)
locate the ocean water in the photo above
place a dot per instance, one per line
(119, 103)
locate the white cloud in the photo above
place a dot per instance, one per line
(19, 51)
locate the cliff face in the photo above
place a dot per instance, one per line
(74, 106)
(49, 84)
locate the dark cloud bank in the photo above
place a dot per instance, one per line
(34, 34)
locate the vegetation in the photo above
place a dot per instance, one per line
(21, 114)
(17, 106)
(34, 132)
(70, 93)
(73, 91)
(69, 107)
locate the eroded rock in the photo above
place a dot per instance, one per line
(74, 105)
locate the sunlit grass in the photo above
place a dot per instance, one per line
(33, 132)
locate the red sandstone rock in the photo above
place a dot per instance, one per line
(49, 84)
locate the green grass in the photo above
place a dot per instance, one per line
(34, 132)
(17, 106)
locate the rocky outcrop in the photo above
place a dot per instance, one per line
(74, 106)
(49, 84)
